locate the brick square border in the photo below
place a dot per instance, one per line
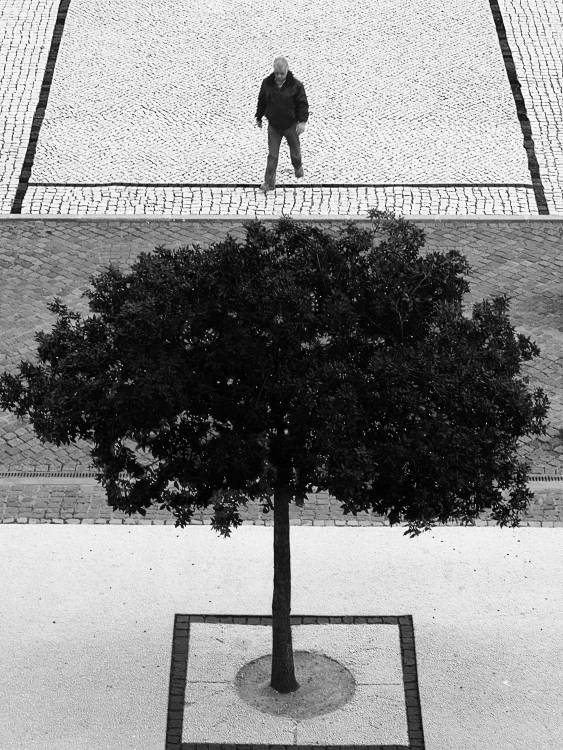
(179, 669)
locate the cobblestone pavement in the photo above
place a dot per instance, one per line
(423, 109)
(26, 28)
(310, 200)
(44, 257)
(73, 502)
(536, 43)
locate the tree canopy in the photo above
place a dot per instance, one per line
(339, 362)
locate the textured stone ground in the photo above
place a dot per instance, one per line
(41, 258)
(89, 614)
(411, 106)
(426, 109)
(66, 501)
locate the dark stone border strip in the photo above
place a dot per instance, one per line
(179, 669)
(29, 158)
(177, 688)
(522, 114)
(410, 682)
(287, 185)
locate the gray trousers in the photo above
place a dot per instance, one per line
(274, 142)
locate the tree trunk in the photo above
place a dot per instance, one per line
(283, 670)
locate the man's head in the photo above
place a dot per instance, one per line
(280, 69)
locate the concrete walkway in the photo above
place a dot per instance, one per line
(87, 617)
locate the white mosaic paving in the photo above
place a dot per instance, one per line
(26, 27)
(144, 93)
(410, 97)
(536, 40)
(314, 201)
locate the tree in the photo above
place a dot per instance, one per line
(293, 361)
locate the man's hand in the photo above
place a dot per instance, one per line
(258, 123)
(300, 128)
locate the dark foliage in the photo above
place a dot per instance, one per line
(201, 377)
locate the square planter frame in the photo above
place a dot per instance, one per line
(179, 670)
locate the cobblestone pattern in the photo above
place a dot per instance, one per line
(85, 503)
(41, 259)
(26, 27)
(44, 258)
(143, 90)
(525, 261)
(313, 200)
(534, 32)
(109, 111)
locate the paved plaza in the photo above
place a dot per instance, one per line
(130, 125)
(419, 107)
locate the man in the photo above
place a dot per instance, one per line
(283, 100)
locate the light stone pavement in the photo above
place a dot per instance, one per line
(536, 41)
(26, 27)
(411, 106)
(127, 107)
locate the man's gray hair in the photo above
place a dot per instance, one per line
(281, 62)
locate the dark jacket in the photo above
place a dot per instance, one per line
(282, 106)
